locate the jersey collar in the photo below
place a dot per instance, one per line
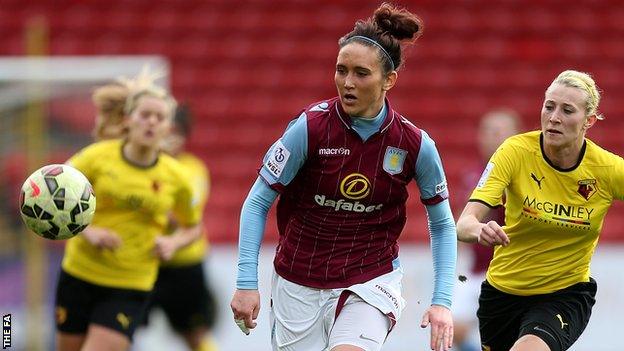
(578, 162)
(346, 121)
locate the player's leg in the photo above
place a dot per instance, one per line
(500, 317)
(296, 316)
(530, 343)
(359, 327)
(69, 342)
(74, 301)
(100, 338)
(555, 321)
(188, 305)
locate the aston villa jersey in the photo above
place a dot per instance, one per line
(553, 217)
(342, 198)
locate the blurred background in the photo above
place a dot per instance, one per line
(246, 68)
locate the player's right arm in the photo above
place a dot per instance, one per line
(487, 195)
(470, 229)
(281, 164)
(84, 161)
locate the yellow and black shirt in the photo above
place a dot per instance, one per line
(135, 203)
(553, 217)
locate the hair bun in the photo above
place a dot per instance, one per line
(398, 23)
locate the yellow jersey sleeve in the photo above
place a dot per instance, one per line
(617, 182)
(83, 160)
(496, 176)
(199, 178)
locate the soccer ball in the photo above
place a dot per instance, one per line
(57, 202)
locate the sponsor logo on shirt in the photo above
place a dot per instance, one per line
(277, 161)
(394, 160)
(355, 186)
(335, 151)
(564, 215)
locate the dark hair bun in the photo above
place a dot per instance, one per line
(398, 23)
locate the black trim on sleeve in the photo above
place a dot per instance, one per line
(485, 203)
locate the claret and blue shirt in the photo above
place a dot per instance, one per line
(342, 186)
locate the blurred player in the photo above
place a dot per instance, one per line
(181, 289)
(108, 271)
(538, 294)
(341, 171)
(494, 128)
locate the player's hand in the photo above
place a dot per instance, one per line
(441, 321)
(166, 246)
(492, 234)
(245, 307)
(102, 238)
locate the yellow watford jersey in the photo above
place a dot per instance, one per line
(553, 217)
(200, 182)
(134, 202)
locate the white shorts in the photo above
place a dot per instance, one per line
(303, 318)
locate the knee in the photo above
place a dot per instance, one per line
(195, 339)
(347, 348)
(530, 343)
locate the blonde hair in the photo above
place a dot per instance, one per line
(116, 100)
(109, 100)
(585, 82)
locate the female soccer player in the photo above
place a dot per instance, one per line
(341, 171)
(181, 289)
(538, 293)
(108, 271)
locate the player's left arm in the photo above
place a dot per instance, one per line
(431, 181)
(188, 212)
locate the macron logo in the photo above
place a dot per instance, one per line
(332, 152)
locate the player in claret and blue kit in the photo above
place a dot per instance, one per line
(341, 172)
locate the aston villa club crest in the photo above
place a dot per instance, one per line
(587, 188)
(393, 160)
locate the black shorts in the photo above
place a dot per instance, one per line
(79, 303)
(183, 295)
(558, 318)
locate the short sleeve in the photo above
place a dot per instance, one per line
(84, 161)
(617, 181)
(187, 206)
(429, 175)
(496, 176)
